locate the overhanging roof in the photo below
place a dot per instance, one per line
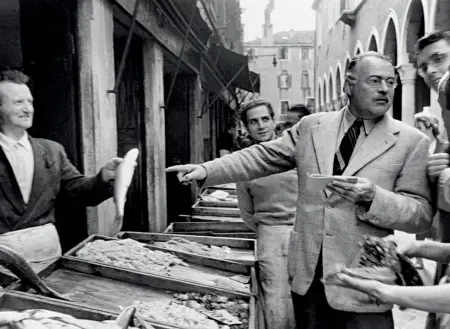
(234, 67)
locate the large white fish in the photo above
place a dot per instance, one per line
(124, 176)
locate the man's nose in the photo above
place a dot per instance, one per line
(384, 87)
(430, 69)
(260, 124)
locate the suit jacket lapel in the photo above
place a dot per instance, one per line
(41, 172)
(379, 140)
(8, 183)
(324, 138)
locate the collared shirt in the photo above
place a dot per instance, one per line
(20, 156)
(347, 121)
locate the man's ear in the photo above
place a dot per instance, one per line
(348, 88)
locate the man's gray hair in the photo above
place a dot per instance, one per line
(353, 64)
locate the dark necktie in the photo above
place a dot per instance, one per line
(345, 150)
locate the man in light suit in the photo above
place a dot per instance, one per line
(392, 191)
(33, 172)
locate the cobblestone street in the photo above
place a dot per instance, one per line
(413, 319)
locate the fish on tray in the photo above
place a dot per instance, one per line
(20, 267)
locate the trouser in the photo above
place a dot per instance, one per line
(39, 245)
(272, 249)
(312, 311)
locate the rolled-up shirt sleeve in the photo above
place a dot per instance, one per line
(443, 190)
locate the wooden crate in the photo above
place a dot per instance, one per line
(232, 203)
(242, 250)
(215, 218)
(20, 301)
(108, 290)
(201, 270)
(6, 277)
(225, 187)
(198, 209)
(218, 229)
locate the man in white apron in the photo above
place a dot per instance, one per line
(33, 172)
(267, 206)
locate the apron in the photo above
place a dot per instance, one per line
(272, 250)
(39, 245)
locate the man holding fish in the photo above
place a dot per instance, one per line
(33, 172)
(389, 190)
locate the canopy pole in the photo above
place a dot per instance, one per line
(126, 50)
(177, 69)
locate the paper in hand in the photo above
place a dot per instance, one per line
(317, 182)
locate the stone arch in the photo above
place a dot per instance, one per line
(338, 86)
(390, 49)
(414, 28)
(440, 15)
(324, 92)
(319, 93)
(374, 40)
(391, 32)
(358, 48)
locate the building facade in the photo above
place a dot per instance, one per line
(111, 75)
(285, 63)
(345, 28)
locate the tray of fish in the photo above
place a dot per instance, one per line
(215, 218)
(130, 258)
(219, 229)
(217, 210)
(160, 302)
(27, 311)
(230, 187)
(217, 198)
(208, 247)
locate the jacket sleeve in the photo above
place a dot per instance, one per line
(409, 206)
(257, 161)
(245, 202)
(443, 190)
(87, 191)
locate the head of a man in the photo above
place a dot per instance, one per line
(259, 119)
(370, 81)
(433, 57)
(295, 114)
(16, 102)
(428, 124)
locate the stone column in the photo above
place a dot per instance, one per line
(155, 136)
(408, 77)
(97, 106)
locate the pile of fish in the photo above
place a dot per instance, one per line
(378, 260)
(129, 254)
(44, 319)
(180, 244)
(196, 311)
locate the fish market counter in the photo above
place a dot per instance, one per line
(170, 288)
(217, 229)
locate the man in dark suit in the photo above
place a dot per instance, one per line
(389, 191)
(33, 172)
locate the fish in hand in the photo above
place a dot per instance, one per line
(124, 176)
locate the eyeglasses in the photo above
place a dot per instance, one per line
(377, 82)
(434, 60)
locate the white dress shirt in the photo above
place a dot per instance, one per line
(20, 156)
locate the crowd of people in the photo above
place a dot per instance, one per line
(402, 183)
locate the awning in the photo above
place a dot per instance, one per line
(234, 67)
